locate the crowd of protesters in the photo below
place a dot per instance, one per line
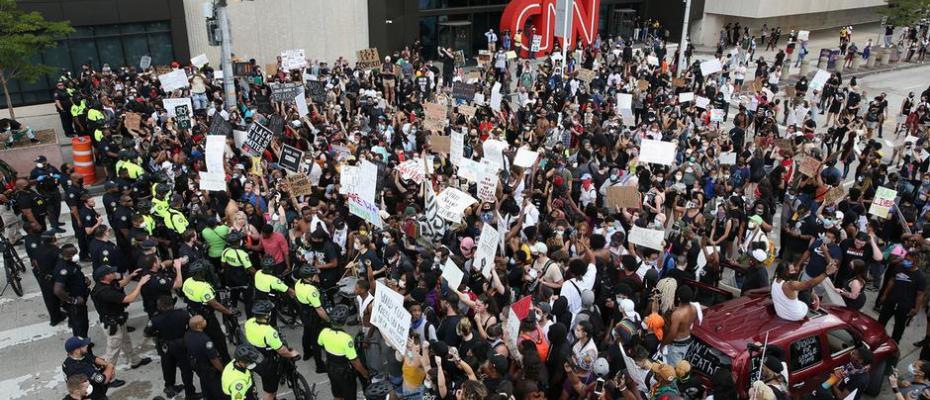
(592, 291)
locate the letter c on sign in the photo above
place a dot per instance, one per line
(523, 15)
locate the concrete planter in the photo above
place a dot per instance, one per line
(22, 156)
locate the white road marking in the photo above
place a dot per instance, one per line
(41, 330)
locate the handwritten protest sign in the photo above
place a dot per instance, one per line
(457, 147)
(467, 110)
(710, 67)
(883, 201)
(624, 197)
(701, 102)
(452, 203)
(362, 200)
(145, 62)
(200, 60)
(494, 152)
(487, 185)
(257, 140)
(586, 75)
(496, 97)
(728, 158)
(368, 58)
(487, 250)
(650, 238)
(173, 80)
(716, 115)
(348, 179)
(285, 92)
(657, 152)
(463, 91)
(434, 116)
(685, 97)
(440, 144)
(172, 104)
(299, 184)
(452, 273)
(301, 101)
(293, 59)
(432, 226)
(133, 121)
(809, 166)
(213, 181)
(804, 35)
(412, 169)
(390, 317)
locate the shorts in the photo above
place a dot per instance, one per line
(388, 83)
(342, 380)
(268, 371)
(871, 124)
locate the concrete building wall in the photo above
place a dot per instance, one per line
(769, 8)
(325, 29)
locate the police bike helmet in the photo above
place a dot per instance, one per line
(378, 390)
(233, 238)
(267, 262)
(162, 191)
(262, 308)
(248, 354)
(339, 315)
(305, 271)
(143, 206)
(197, 267)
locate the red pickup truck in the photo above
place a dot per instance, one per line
(812, 347)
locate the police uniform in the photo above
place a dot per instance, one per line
(201, 350)
(235, 273)
(267, 286)
(46, 258)
(108, 300)
(48, 185)
(265, 337)
(107, 253)
(198, 294)
(110, 202)
(340, 350)
(69, 274)
(32, 200)
(160, 284)
(73, 195)
(88, 367)
(95, 123)
(169, 327)
(309, 297)
(237, 383)
(122, 219)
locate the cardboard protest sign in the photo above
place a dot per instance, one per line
(390, 317)
(679, 82)
(525, 158)
(317, 91)
(711, 67)
(215, 149)
(657, 152)
(809, 166)
(213, 181)
(290, 158)
(452, 273)
(467, 110)
(368, 58)
(790, 91)
(883, 201)
(285, 92)
(642, 85)
(463, 91)
(132, 121)
(170, 105)
(293, 59)
(624, 197)
(200, 60)
(434, 116)
(457, 147)
(487, 250)
(586, 75)
(413, 170)
(494, 152)
(834, 195)
(257, 139)
(242, 68)
(649, 238)
(452, 203)
(173, 80)
(299, 184)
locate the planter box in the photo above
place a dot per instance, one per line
(23, 153)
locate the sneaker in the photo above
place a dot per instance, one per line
(144, 361)
(34, 140)
(170, 392)
(59, 230)
(193, 396)
(923, 342)
(117, 383)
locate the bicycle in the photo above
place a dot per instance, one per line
(287, 370)
(231, 323)
(287, 309)
(13, 265)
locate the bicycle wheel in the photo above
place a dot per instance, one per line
(12, 276)
(20, 265)
(232, 331)
(301, 388)
(288, 312)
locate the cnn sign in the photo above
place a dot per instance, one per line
(524, 15)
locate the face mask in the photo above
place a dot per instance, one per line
(410, 354)
(39, 165)
(75, 258)
(386, 240)
(251, 366)
(437, 260)
(428, 384)
(89, 391)
(912, 369)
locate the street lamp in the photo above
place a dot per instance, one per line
(220, 19)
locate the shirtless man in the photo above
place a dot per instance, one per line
(786, 286)
(678, 337)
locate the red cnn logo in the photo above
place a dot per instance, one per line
(524, 15)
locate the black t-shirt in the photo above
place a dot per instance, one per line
(850, 253)
(906, 285)
(446, 331)
(159, 285)
(28, 199)
(200, 349)
(69, 274)
(756, 277)
(108, 299)
(857, 382)
(88, 368)
(170, 325)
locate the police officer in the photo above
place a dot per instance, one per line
(237, 375)
(62, 97)
(312, 313)
(111, 300)
(72, 288)
(96, 121)
(110, 200)
(74, 195)
(90, 220)
(29, 204)
(44, 257)
(98, 371)
(259, 333)
(127, 168)
(166, 277)
(237, 266)
(204, 358)
(268, 286)
(341, 356)
(79, 113)
(122, 223)
(201, 300)
(47, 180)
(169, 327)
(105, 252)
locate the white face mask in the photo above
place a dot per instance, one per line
(75, 258)
(89, 391)
(39, 165)
(251, 366)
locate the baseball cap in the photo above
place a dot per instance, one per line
(102, 271)
(587, 298)
(759, 255)
(149, 244)
(862, 236)
(75, 342)
(41, 159)
(539, 248)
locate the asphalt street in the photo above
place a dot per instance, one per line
(32, 351)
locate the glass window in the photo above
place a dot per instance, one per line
(111, 51)
(840, 341)
(805, 353)
(163, 26)
(135, 46)
(132, 28)
(106, 30)
(82, 32)
(83, 51)
(160, 48)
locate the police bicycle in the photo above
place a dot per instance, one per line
(287, 370)
(230, 322)
(13, 266)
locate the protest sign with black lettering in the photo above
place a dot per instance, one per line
(276, 124)
(412, 169)
(487, 184)
(452, 273)
(317, 91)
(487, 250)
(257, 139)
(368, 58)
(171, 105)
(182, 116)
(463, 91)
(432, 226)
(457, 147)
(362, 200)
(452, 204)
(219, 126)
(293, 59)
(290, 158)
(649, 238)
(624, 197)
(390, 317)
(285, 91)
(299, 184)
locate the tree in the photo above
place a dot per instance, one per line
(23, 35)
(905, 12)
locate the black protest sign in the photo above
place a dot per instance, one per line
(257, 139)
(276, 124)
(317, 91)
(242, 69)
(464, 91)
(182, 116)
(285, 92)
(290, 158)
(263, 103)
(219, 126)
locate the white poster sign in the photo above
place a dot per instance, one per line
(452, 203)
(301, 100)
(215, 149)
(650, 238)
(525, 158)
(657, 152)
(348, 179)
(494, 152)
(362, 200)
(487, 250)
(215, 181)
(728, 158)
(171, 104)
(456, 147)
(496, 97)
(390, 317)
(820, 79)
(711, 67)
(487, 185)
(701, 102)
(804, 35)
(452, 273)
(173, 80)
(293, 59)
(413, 170)
(685, 97)
(200, 61)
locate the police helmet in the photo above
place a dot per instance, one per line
(198, 267)
(268, 262)
(248, 354)
(305, 271)
(161, 191)
(339, 315)
(378, 390)
(233, 238)
(161, 177)
(143, 205)
(262, 308)
(124, 154)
